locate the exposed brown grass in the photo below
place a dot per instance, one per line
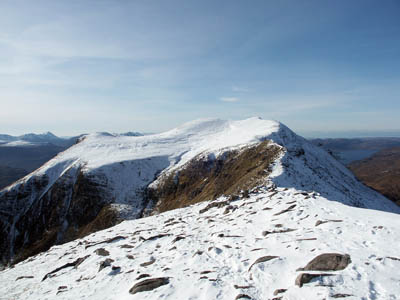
(106, 218)
(381, 172)
(206, 179)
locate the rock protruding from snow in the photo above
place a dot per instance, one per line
(149, 284)
(328, 262)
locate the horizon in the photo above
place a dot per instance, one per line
(84, 66)
(313, 134)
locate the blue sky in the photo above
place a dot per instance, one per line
(84, 66)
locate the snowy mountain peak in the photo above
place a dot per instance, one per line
(104, 179)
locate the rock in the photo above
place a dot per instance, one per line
(341, 295)
(242, 296)
(105, 263)
(214, 204)
(230, 208)
(263, 259)
(108, 241)
(178, 238)
(290, 208)
(306, 278)
(279, 291)
(158, 236)
(328, 262)
(141, 276)
(198, 252)
(393, 258)
(242, 286)
(319, 222)
(74, 264)
(127, 246)
(148, 263)
(24, 277)
(149, 284)
(266, 232)
(102, 252)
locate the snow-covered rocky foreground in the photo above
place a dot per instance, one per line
(212, 253)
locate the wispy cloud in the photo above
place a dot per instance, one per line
(229, 99)
(239, 89)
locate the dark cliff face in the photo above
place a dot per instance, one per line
(32, 218)
(207, 178)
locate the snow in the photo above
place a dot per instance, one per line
(218, 249)
(370, 237)
(20, 143)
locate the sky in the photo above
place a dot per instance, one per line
(118, 65)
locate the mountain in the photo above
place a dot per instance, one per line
(281, 219)
(381, 172)
(104, 179)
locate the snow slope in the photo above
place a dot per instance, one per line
(213, 256)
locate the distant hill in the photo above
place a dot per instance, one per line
(348, 150)
(381, 172)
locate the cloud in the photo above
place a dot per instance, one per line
(229, 99)
(239, 89)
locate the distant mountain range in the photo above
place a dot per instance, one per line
(31, 139)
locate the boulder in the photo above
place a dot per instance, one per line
(149, 284)
(328, 262)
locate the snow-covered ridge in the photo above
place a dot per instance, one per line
(132, 162)
(179, 144)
